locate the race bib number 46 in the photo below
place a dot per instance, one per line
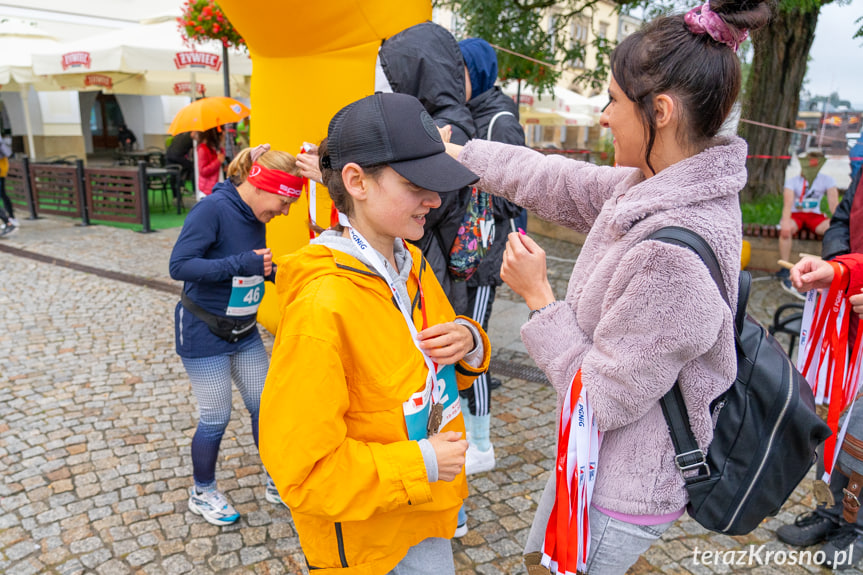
(246, 294)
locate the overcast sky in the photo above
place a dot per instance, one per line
(837, 59)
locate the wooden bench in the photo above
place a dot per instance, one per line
(762, 231)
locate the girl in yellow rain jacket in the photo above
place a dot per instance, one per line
(365, 448)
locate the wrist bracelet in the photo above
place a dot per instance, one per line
(533, 312)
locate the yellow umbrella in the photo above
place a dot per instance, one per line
(208, 113)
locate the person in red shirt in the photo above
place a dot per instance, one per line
(801, 209)
(211, 156)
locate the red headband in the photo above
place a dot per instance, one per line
(275, 181)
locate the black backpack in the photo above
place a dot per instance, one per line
(766, 430)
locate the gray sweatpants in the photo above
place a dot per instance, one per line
(432, 556)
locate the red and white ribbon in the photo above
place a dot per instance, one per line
(567, 535)
(834, 380)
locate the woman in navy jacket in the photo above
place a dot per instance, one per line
(222, 257)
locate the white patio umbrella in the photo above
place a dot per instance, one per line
(561, 107)
(598, 102)
(148, 59)
(18, 41)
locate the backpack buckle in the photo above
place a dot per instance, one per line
(692, 461)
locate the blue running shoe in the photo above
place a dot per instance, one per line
(212, 506)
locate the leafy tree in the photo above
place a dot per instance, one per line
(523, 26)
(773, 91)
(771, 94)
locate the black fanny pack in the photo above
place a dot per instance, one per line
(230, 330)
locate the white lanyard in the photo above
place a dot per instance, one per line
(313, 196)
(313, 203)
(378, 264)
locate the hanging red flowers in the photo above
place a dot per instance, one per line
(204, 20)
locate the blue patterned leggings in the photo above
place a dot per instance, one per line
(211, 383)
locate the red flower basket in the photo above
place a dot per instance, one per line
(204, 20)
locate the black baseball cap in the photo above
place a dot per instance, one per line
(396, 130)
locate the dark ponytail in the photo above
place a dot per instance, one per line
(702, 74)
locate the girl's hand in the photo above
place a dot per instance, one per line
(811, 273)
(524, 270)
(446, 343)
(449, 448)
(268, 260)
(445, 133)
(308, 164)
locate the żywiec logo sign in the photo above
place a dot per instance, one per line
(197, 60)
(186, 88)
(98, 80)
(75, 59)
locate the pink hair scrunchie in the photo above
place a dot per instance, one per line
(703, 20)
(259, 151)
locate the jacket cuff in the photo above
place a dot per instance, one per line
(430, 459)
(474, 356)
(406, 465)
(469, 365)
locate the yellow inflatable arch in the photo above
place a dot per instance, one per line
(310, 59)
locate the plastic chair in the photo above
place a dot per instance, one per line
(175, 182)
(156, 157)
(787, 319)
(60, 160)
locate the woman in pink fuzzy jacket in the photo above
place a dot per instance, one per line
(638, 314)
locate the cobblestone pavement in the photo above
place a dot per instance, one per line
(96, 418)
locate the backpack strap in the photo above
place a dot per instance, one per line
(689, 458)
(494, 119)
(686, 238)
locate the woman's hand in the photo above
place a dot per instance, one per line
(524, 270)
(268, 260)
(856, 302)
(446, 343)
(449, 448)
(453, 149)
(811, 273)
(308, 163)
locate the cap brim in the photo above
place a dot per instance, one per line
(439, 173)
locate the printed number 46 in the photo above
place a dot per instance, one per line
(253, 296)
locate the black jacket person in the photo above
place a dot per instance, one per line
(425, 62)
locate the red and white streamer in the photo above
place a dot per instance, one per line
(822, 357)
(567, 536)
